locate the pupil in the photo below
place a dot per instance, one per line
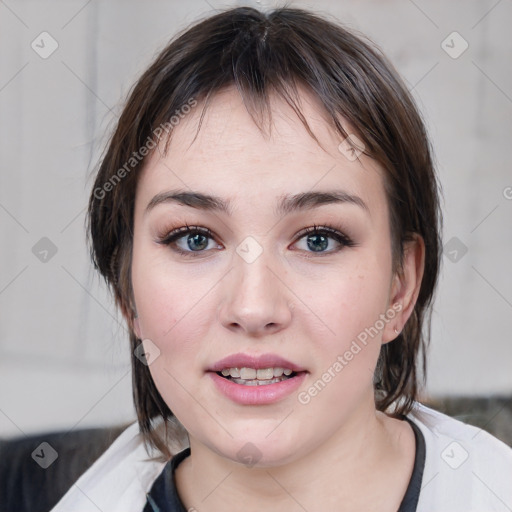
(323, 244)
(196, 238)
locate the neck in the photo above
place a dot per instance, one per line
(355, 467)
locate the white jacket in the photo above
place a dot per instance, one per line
(466, 470)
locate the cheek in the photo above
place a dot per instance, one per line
(175, 316)
(172, 312)
(170, 309)
(165, 298)
(346, 359)
(353, 299)
(352, 306)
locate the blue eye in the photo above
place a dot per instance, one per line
(195, 240)
(318, 238)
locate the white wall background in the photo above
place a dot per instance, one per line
(64, 358)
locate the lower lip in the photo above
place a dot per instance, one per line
(257, 395)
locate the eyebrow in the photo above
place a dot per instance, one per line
(287, 203)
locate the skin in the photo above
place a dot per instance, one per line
(336, 452)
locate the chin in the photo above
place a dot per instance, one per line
(258, 450)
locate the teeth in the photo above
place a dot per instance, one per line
(265, 374)
(247, 373)
(256, 382)
(261, 374)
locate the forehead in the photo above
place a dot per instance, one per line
(231, 157)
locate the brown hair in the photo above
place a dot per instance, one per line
(275, 52)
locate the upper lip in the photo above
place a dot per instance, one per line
(254, 361)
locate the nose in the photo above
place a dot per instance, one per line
(256, 300)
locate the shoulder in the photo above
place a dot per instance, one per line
(118, 480)
(466, 468)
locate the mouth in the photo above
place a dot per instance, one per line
(257, 377)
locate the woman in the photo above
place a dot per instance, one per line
(267, 216)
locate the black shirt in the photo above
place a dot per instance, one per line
(163, 496)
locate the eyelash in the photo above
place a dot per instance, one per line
(330, 231)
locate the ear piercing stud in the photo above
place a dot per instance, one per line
(396, 331)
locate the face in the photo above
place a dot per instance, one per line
(270, 282)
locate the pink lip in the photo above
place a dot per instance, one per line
(254, 361)
(257, 395)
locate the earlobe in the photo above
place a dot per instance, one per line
(406, 286)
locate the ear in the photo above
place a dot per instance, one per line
(405, 287)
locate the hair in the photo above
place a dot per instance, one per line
(276, 53)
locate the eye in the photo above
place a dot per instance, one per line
(194, 240)
(188, 240)
(318, 239)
